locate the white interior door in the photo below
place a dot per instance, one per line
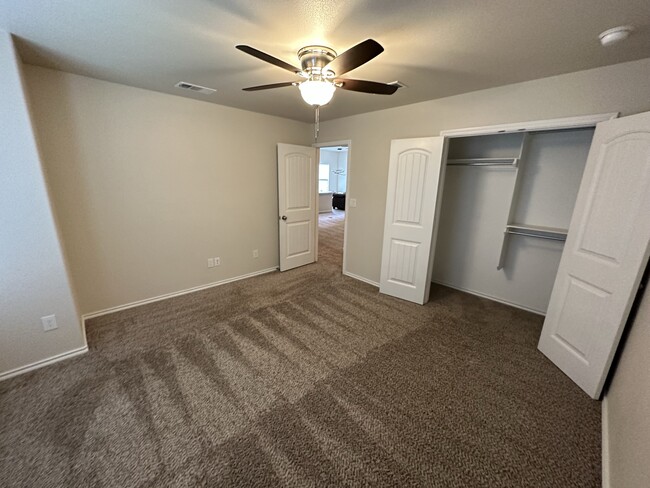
(297, 204)
(604, 256)
(412, 205)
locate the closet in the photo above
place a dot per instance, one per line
(549, 216)
(506, 207)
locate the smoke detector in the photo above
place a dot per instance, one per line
(195, 88)
(615, 34)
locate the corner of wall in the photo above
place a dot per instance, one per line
(35, 277)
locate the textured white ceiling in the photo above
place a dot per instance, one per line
(436, 47)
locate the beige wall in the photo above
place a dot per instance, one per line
(628, 408)
(148, 186)
(622, 88)
(33, 277)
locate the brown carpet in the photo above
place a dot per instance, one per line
(330, 237)
(304, 378)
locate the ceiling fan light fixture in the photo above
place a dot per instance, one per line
(317, 92)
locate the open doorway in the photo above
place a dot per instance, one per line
(333, 165)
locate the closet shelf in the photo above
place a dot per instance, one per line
(552, 233)
(484, 162)
(538, 231)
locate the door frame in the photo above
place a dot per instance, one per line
(576, 122)
(533, 126)
(348, 143)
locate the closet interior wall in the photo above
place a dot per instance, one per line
(535, 190)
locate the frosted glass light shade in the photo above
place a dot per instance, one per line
(316, 92)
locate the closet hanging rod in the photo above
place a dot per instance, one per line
(541, 236)
(483, 162)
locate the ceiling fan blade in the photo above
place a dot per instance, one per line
(355, 57)
(268, 87)
(268, 58)
(366, 86)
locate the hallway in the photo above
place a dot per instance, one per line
(330, 237)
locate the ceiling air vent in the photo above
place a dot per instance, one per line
(195, 88)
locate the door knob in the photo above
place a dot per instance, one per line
(284, 217)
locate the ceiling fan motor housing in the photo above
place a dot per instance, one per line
(314, 58)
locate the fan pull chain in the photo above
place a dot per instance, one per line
(316, 122)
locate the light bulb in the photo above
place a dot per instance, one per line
(316, 92)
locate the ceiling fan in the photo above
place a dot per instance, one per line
(321, 69)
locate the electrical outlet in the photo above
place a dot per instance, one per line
(256, 253)
(49, 322)
(353, 202)
(217, 261)
(210, 262)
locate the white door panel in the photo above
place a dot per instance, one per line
(604, 256)
(297, 205)
(414, 179)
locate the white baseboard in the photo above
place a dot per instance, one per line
(605, 443)
(490, 297)
(43, 362)
(75, 352)
(361, 278)
(126, 306)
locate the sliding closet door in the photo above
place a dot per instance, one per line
(604, 256)
(414, 181)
